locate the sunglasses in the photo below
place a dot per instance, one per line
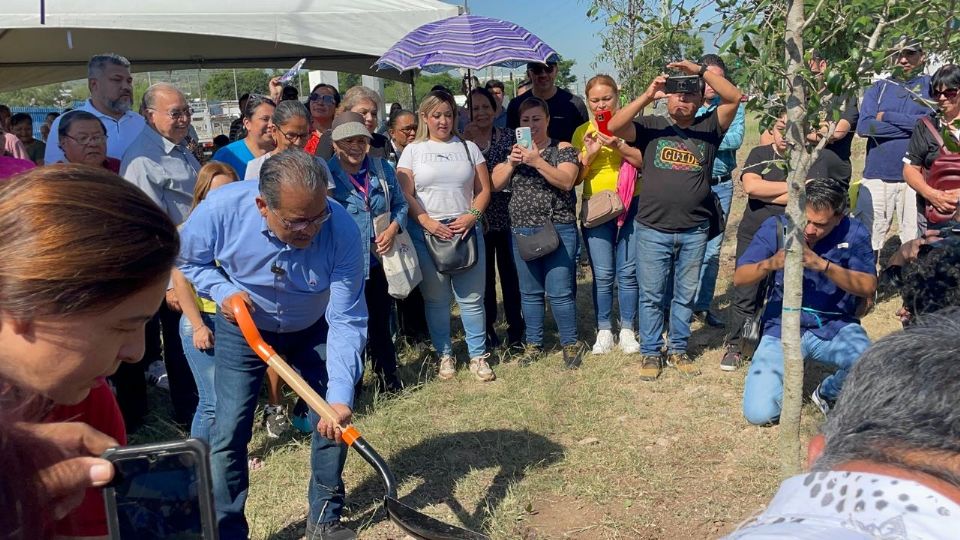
(948, 93)
(326, 99)
(541, 69)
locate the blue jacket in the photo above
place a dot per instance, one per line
(347, 195)
(887, 138)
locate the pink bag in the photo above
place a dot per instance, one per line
(626, 183)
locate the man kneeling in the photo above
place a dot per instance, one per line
(839, 271)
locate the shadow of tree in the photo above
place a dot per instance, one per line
(437, 465)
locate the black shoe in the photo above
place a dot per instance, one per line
(822, 403)
(573, 355)
(493, 341)
(332, 530)
(732, 359)
(389, 383)
(708, 318)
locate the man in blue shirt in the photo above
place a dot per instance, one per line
(295, 259)
(839, 271)
(721, 182)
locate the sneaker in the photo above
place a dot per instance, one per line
(822, 403)
(732, 359)
(332, 530)
(157, 375)
(628, 342)
(448, 367)
(709, 319)
(683, 363)
(481, 369)
(275, 420)
(650, 367)
(573, 355)
(604, 342)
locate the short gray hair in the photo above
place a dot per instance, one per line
(292, 167)
(356, 95)
(288, 110)
(98, 62)
(901, 399)
(150, 96)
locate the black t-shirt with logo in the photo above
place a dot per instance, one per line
(675, 192)
(766, 163)
(567, 113)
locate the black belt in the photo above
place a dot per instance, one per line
(720, 179)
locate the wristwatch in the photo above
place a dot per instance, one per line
(703, 69)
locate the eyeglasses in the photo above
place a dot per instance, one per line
(948, 93)
(176, 115)
(408, 129)
(326, 99)
(301, 224)
(87, 140)
(292, 138)
(541, 69)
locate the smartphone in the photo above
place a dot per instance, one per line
(603, 118)
(683, 84)
(524, 138)
(292, 72)
(161, 490)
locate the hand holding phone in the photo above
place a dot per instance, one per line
(603, 120)
(524, 137)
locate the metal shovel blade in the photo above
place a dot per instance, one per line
(422, 526)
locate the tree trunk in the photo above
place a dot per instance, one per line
(796, 222)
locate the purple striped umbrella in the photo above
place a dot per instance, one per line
(466, 41)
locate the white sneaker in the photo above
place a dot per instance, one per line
(448, 367)
(481, 369)
(628, 341)
(157, 375)
(604, 342)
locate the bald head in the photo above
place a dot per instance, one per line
(166, 110)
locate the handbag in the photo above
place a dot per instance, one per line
(752, 330)
(718, 219)
(536, 245)
(400, 264)
(943, 174)
(459, 253)
(600, 208)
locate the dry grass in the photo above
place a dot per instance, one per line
(547, 453)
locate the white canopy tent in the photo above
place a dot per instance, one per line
(338, 35)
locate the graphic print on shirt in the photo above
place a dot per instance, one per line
(674, 155)
(443, 157)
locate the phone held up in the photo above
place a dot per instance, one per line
(682, 84)
(161, 490)
(524, 138)
(603, 120)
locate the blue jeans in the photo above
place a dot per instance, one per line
(202, 365)
(239, 375)
(613, 254)
(553, 275)
(660, 254)
(711, 258)
(439, 289)
(763, 390)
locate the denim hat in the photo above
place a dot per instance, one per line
(349, 124)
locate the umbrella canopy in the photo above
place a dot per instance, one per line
(466, 41)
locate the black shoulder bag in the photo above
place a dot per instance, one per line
(718, 220)
(539, 244)
(459, 253)
(752, 329)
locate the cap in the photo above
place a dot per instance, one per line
(349, 124)
(905, 43)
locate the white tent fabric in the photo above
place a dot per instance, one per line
(341, 35)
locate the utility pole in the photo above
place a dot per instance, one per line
(236, 96)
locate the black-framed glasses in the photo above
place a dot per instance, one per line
(326, 99)
(176, 115)
(301, 224)
(948, 93)
(87, 140)
(292, 138)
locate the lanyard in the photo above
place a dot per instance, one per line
(363, 189)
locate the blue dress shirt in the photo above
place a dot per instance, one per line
(291, 288)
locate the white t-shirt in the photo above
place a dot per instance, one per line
(255, 164)
(442, 175)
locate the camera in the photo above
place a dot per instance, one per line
(683, 84)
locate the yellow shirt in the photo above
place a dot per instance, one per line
(605, 167)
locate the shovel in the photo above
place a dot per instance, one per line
(412, 522)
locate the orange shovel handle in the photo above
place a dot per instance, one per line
(239, 309)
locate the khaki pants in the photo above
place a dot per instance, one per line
(879, 201)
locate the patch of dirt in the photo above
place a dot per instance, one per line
(567, 518)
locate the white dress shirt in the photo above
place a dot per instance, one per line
(120, 133)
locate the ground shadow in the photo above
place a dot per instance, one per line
(437, 465)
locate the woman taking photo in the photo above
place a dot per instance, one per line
(610, 245)
(322, 103)
(447, 197)
(256, 121)
(542, 178)
(496, 144)
(367, 187)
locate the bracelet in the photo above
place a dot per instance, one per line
(827, 267)
(476, 213)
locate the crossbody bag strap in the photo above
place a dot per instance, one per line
(383, 180)
(934, 131)
(772, 278)
(467, 150)
(687, 142)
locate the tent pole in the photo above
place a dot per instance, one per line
(413, 90)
